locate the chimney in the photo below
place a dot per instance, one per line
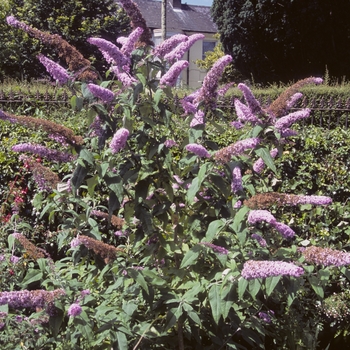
(176, 4)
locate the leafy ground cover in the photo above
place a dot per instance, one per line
(141, 223)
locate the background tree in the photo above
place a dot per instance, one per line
(282, 40)
(75, 21)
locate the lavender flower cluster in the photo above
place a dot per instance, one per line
(102, 93)
(54, 69)
(326, 256)
(236, 183)
(266, 268)
(198, 150)
(170, 77)
(256, 216)
(216, 248)
(44, 152)
(119, 140)
(29, 299)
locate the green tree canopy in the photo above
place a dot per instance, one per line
(75, 21)
(282, 40)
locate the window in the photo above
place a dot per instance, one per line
(207, 46)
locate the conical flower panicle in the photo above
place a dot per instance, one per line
(74, 59)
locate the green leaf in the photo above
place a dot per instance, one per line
(192, 191)
(91, 184)
(315, 284)
(254, 287)
(190, 256)
(139, 279)
(86, 155)
(266, 157)
(271, 283)
(242, 286)
(122, 341)
(239, 219)
(215, 302)
(55, 323)
(213, 230)
(157, 96)
(31, 276)
(79, 176)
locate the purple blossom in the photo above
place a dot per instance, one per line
(119, 140)
(252, 102)
(110, 52)
(288, 132)
(283, 229)
(316, 200)
(236, 184)
(216, 248)
(74, 310)
(244, 113)
(177, 53)
(265, 317)
(326, 256)
(129, 44)
(256, 216)
(96, 128)
(198, 150)
(169, 44)
(198, 119)
(102, 93)
(75, 242)
(122, 40)
(120, 233)
(237, 205)
(291, 118)
(85, 292)
(189, 107)
(170, 143)
(170, 77)
(59, 139)
(124, 77)
(237, 125)
(294, 99)
(259, 239)
(14, 259)
(14, 22)
(259, 165)
(211, 80)
(266, 268)
(55, 70)
(222, 91)
(29, 299)
(44, 152)
(7, 117)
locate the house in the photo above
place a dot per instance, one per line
(183, 19)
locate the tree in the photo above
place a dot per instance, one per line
(75, 21)
(282, 40)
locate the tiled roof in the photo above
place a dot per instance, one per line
(190, 18)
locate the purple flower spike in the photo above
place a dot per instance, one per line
(211, 80)
(236, 184)
(244, 113)
(316, 200)
(291, 118)
(216, 248)
(261, 241)
(119, 140)
(129, 43)
(170, 143)
(110, 52)
(74, 310)
(256, 216)
(198, 150)
(170, 77)
(326, 256)
(263, 269)
(283, 229)
(252, 102)
(294, 99)
(44, 152)
(184, 46)
(102, 93)
(55, 70)
(169, 44)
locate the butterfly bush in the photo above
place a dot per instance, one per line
(56, 71)
(141, 219)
